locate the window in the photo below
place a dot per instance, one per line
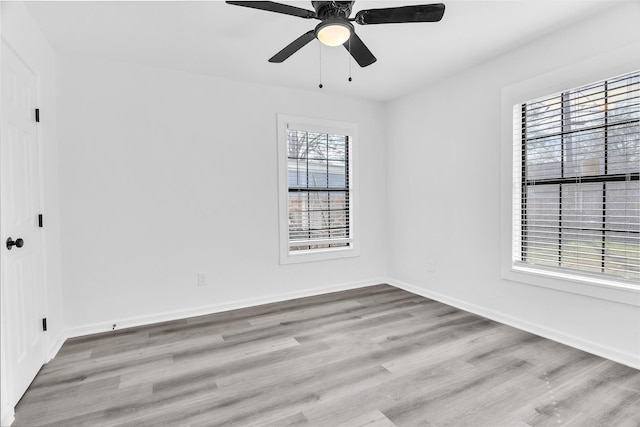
(576, 190)
(316, 189)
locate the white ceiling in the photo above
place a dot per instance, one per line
(211, 37)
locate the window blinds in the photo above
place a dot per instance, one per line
(576, 167)
(318, 190)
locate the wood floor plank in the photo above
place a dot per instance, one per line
(370, 419)
(376, 356)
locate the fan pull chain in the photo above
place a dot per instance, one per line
(320, 85)
(350, 79)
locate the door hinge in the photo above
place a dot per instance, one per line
(40, 220)
(44, 324)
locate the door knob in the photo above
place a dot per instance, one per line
(10, 243)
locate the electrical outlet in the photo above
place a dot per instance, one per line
(202, 279)
(431, 266)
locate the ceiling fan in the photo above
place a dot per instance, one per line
(336, 27)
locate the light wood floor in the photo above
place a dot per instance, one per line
(376, 356)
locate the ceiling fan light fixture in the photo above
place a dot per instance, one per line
(334, 32)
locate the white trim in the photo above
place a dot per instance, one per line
(596, 288)
(323, 126)
(612, 63)
(216, 308)
(57, 345)
(8, 415)
(7, 411)
(629, 359)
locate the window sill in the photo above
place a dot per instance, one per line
(318, 255)
(593, 287)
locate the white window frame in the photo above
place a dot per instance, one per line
(601, 67)
(286, 121)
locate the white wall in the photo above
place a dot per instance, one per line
(444, 189)
(21, 33)
(164, 174)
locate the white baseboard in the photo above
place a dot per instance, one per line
(210, 309)
(57, 345)
(628, 359)
(8, 416)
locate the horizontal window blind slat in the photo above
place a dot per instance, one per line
(631, 86)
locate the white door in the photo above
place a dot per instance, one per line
(22, 287)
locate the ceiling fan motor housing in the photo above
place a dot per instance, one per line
(332, 9)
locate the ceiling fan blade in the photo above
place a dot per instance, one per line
(359, 51)
(397, 15)
(293, 47)
(271, 6)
